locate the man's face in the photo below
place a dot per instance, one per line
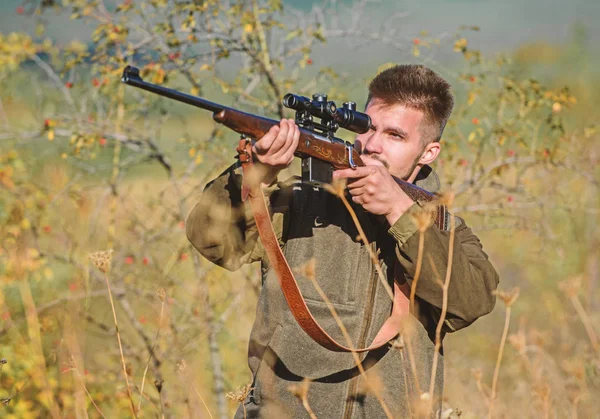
(394, 141)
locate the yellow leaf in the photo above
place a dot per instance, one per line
(198, 159)
(472, 97)
(63, 156)
(415, 51)
(192, 152)
(195, 91)
(51, 135)
(248, 28)
(460, 45)
(556, 107)
(471, 137)
(48, 273)
(25, 224)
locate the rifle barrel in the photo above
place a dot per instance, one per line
(131, 76)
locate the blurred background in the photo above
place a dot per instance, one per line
(88, 164)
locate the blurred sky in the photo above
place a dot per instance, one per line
(504, 23)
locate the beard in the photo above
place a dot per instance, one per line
(405, 175)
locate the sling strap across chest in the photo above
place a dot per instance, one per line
(287, 281)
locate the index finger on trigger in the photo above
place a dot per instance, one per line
(358, 172)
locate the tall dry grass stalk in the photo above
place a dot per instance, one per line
(445, 286)
(162, 295)
(571, 288)
(240, 396)
(82, 382)
(182, 369)
(103, 260)
(301, 391)
(508, 299)
(338, 188)
(308, 270)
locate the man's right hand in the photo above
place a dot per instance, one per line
(275, 150)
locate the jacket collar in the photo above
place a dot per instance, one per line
(428, 179)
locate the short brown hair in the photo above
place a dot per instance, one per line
(416, 87)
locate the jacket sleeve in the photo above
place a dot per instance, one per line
(473, 278)
(221, 227)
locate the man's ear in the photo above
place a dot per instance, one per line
(430, 153)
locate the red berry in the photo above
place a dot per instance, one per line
(416, 41)
(475, 121)
(309, 61)
(143, 320)
(129, 260)
(20, 10)
(145, 261)
(95, 82)
(47, 229)
(6, 315)
(73, 286)
(472, 79)
(102, 141)
(183, 256)
(510, 153)
(68, 85)
(182, 224)
(509, 198)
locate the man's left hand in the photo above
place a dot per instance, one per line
(375, 189)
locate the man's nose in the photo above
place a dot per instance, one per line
(373, 143)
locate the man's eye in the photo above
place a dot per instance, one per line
(397, 136)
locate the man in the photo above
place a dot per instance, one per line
(409, 106)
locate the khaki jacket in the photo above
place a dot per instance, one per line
(312, 223)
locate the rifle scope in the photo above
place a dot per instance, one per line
(346, 117)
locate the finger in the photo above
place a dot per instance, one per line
(287, 142)
(358, 183)
(358, 172)
(356, 191)
(281, 139)
(358, 199)
(263, 144)
(293, 146)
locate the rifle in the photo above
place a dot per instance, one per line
(321, 152)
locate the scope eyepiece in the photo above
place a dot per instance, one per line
(349, 118)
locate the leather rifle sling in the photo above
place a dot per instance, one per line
(288, 283)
